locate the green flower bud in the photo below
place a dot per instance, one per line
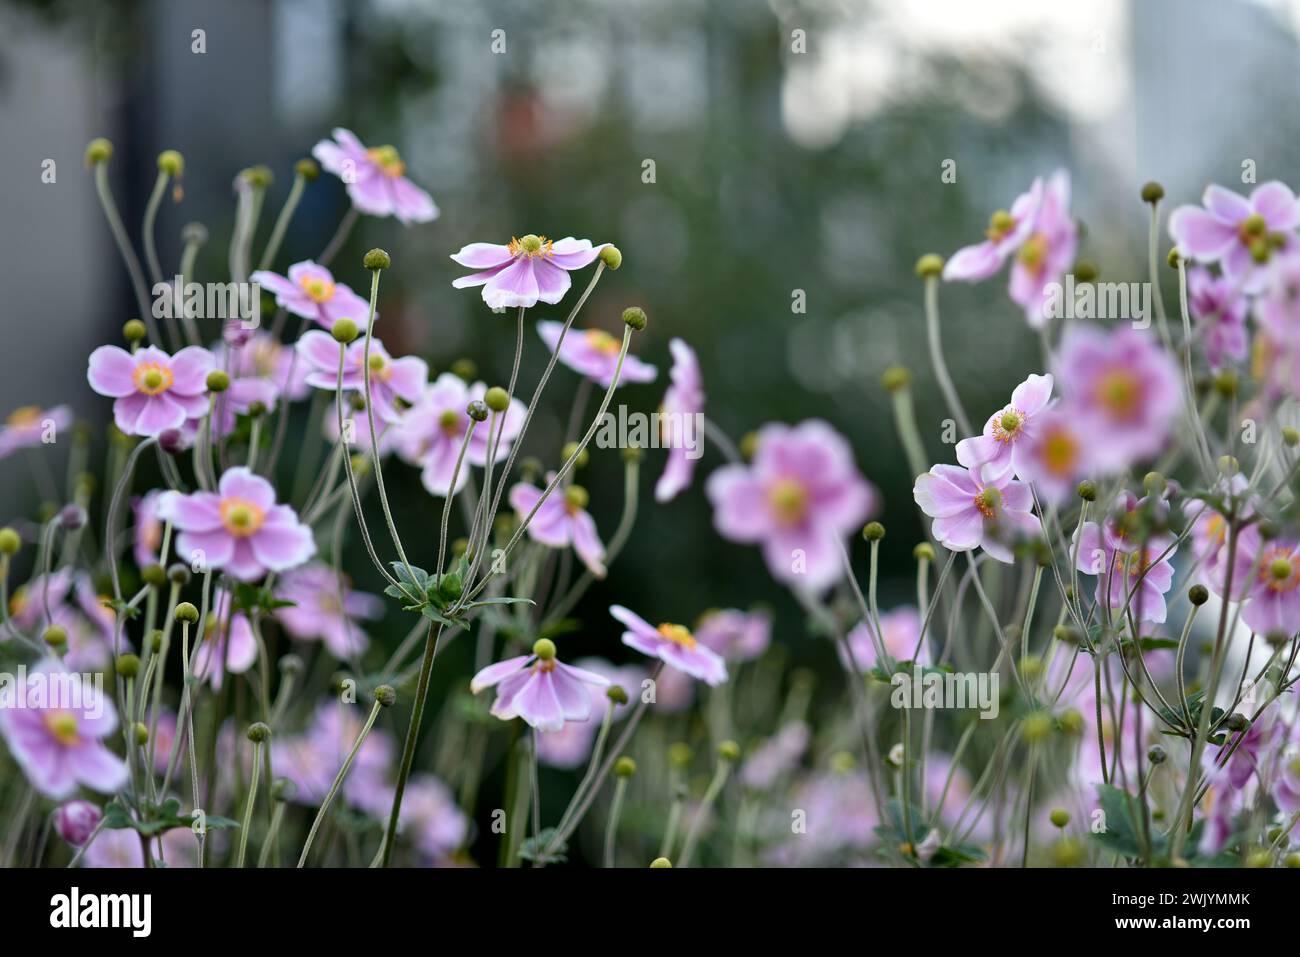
(576, 497)
(680, 754)
(10, 541)
(873, 532)
(1069, 852)
(477, 410)
(616, 694)
(344, 330)
(133, 330)
(1225, 383)
(1154, 483)
(1088, 491)
(1086, 271)
(930, 266)
(624, 767)
(842, 762)
(171, 163)
(466, 369)
(1172, 259)
(895, 379)
(450, 587)
(386, 696)
(497, 399)
(307, 168)
(1065, 634)
(187, 613)
(178, 574)
(376, 260)
(258, 732)
(570, 448)
(154, 575)
(611, 257)
(635, 317)
(156, 640)
(1237, 722)
(924, 552)
(661, 862)
(1292, 859)
(1198, 595)
(1228, 465)
(128, 665)
(98, 151)
(1291, 436)
(729, 751)
(1157, 754)
(55, 636)
(259, 177)
(1031, 667)
(1152, 192)
(283, 790)
(1071, 721)
(1060, 817)
(141, 734)
(218, 381)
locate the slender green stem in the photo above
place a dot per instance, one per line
(248, 806)
(611, 826)
(338, 783)
(412, 735)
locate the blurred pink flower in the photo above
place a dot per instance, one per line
(75, 821)
(1047, 253)
(734, 634)
(391, 379)
(1240, 234)
(562, 520)
(594, 353)
(375, 179)
(1119, 561)
(31, 426)
(800, 498)
(1007, 232)
(148, 531)
(672, 644)
(326, 609)
(227, 644)
(310, 291)
(684, 398)
(1221, 315)
(901, 631)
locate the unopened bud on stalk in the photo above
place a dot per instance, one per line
(386, 696)
(1037, 726)
(218, 381)
(1291, 436)
(611, 257)
(283, 790)
(186, 612)
(307, 168)
(1071, 721)
(376, 260)
(258, 732)
(635, 317)
(616, 694)
(1157, 754)
(1172, 258)
(873, 531)
(344, 330)
(1228, 465)
(466, 369)
(154, 575)
(477, 410)
(1088, 491)
(55, 636)
(98, 151)
(895, 379)
(259, 177)
(128, 665)
(72, 518)
(1225, 383)
(1198, 595)
(1152, 192)
(1154, 483)
(497, 399)
(141, 733)
(1086, 271)
(1065, 634)
(171, 163)
(156, 640)
(748, 446)
(930, 266)
(1060, 817)
(624, 767)
(178, 574)
(133, 330)
(924, 552)
(729, 751)
(1236, 722)
(661, 862)
(576, 497)
(10, 541)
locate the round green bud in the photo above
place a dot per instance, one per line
(218, 381)
(748, 446)
(680, 754)
(576, 497)
(1157, 754)
(497, 399)
(1088, 491)
(624, 767)
(611, 257)
(895, 379)
(466, 369)
(133, 330)
(568, 452)
(477, 410)
(460, 546)
(1237, 722)
(283, 790)
(10, 541)
(544, 649)
(930, 266)
(1198, 595)
(924, 552)
(1152, 192)
(661, 862)
(156, 640)
(194, 234)
(178, 574)
(258, 732)
(154, 575)
(291, 665)
(307, 168)
(55, 636)
(141, 734)
(1172, 258)
(1259, 859)
(187, 613)
(386, 696)
(344, 330)
(1225, 383)
(1031, 667)
(1154, 483)
(1228, 465)
(729, 751)
(1086, 271)
(171, 163)
(1060, 817)
(376, 260)
(98, 151)
(450, 587)
(128, 665)
(259, 176)
(1071, 721)
(873, 531)
(1291, 436)
(1292, 859)
(635, 318)
(1065, 634)
(842, 762)
(616, 694)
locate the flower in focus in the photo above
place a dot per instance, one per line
(391, 380)
(672, 644)
(1221, 315)
(76, 820)
(734, 634)
(1007, 232)
(594, 353)
(59, 744)
(32, 426)
(326, 609)
(901, 632)
(971, 511)
(153, 391)
(239, 528)
(1047, 252)
(432, 432)
(561, 520)
(1121, 389)
(800, 497)
(1001, 447)
(539, 688)
(525, 271)
(227, 645)
(375, 178)
(1122, 558)
(683, 401)
(1240, 234)
(311, 292)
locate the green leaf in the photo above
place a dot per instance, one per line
(532, 848)
(1122, 834)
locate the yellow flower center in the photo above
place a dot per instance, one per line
(1007, 425)
(63, 725)
(1216, 529)
(379, 368)
(27, 415)
(602, 341)
(1033, 254)
(318, 289)
(532, 246)
(1000, 224)
(575, 499)
(987, 502)
(677, 634)
(1059, 454)
(449, 422)
(388, 160)
(152, 378)
(240, 517)
(789, 500)
(1279, 570)
(1120, 392)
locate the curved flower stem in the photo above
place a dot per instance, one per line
(338, 783)
(697, 822)
(936, 355)
(282, 409)
(597, 753)
(194, 241)
(568, 464)
(340, 237)
(110, 533)
(125, 249)
(247, 213)
(248, 806)
(376, 461)
(1153, 234)
(412, 735)
(451, 494)
(189, 735)
(151, 247)
(723, 442)
(272, 835)
(1198, 428)
(282, 222)
(615, 812)
(562, 833)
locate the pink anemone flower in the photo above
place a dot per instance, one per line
(539, 688)
(562, 520)
(392, 381)
(31, 427)
(672, 644)
(375, 178)
(594, 353)
(972, 511)
(1240, 234)
(153, 391)
(310, 291)
(683, 401)
(525, 271)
